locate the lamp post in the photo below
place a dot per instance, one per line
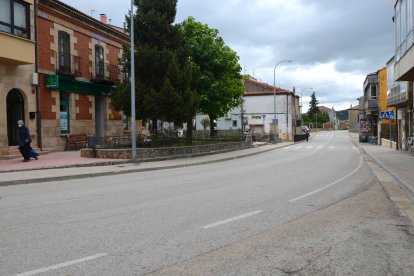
(274, 91)
(301, 121)
(133, 122)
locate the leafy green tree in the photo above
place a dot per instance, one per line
(163, 72)
(205, 122)
(216, 75)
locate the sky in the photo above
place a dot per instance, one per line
(334, 44)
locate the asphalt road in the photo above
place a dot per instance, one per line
(311, 208)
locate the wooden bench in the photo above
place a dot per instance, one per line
(76, 140)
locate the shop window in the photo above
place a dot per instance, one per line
(64, 112)
(14, 18)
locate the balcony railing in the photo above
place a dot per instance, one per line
(371, 104)
(67, 64)
(105, 72)
(396, 96)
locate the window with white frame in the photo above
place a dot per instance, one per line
(14, 18)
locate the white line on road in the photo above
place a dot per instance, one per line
(329, 185)
(57, 266)
(232, 219)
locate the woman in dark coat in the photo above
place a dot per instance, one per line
(24, 141)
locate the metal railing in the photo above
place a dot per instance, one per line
(105, 72)
(161, 140)
(67, 64)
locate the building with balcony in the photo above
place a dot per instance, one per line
(402, 69)
(369, 108)
(17, 67)
(78, 70)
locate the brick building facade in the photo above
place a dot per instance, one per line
(78, 70)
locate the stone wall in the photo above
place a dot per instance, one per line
(155, 154)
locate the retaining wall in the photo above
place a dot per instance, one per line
(155, 154)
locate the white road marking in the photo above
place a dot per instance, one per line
(331, 147)
(309, 147)
(57, 266)
(232, 219)
(329, 185)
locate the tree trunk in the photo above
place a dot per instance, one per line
(189, 134)
(213, 132)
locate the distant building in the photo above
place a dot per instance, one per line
(353, 118)
(333, 120)
(258, 113)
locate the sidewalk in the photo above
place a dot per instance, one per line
(400, 164)
(69, 165)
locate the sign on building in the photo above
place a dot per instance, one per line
(387, 115)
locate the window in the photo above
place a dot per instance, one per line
(99, 62)
(64, 52)
(14, 18)
(234, 123)
(373, 92)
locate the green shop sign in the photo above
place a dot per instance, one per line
(57, 82)
(52, 81)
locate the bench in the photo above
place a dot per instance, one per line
(76, 140)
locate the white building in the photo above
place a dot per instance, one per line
(259, 111)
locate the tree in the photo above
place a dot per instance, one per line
(216, 74)
(205, 122)
(163, 71)
(313, 105)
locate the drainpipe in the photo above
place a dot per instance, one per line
(398, 128)
(36, 87)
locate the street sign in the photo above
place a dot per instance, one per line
(387, 115)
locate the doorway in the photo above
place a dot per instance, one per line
(15, 112)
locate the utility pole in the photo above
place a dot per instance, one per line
(133, 122)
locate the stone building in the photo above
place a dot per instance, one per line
(17, 66)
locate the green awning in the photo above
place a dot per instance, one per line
(57, 82)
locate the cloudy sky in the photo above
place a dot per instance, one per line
(334, 44)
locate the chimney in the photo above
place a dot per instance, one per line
(104, 18)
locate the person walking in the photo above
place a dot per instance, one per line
(24, 141)
(307, 135)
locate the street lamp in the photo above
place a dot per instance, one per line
(274, 92)
(274, 85)
(133, 122)
(301, 121)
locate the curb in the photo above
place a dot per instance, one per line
(401, 182)
(97, 174)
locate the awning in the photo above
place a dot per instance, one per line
(57, 82)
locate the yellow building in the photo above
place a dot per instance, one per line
(17, 67)
(387, 117)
